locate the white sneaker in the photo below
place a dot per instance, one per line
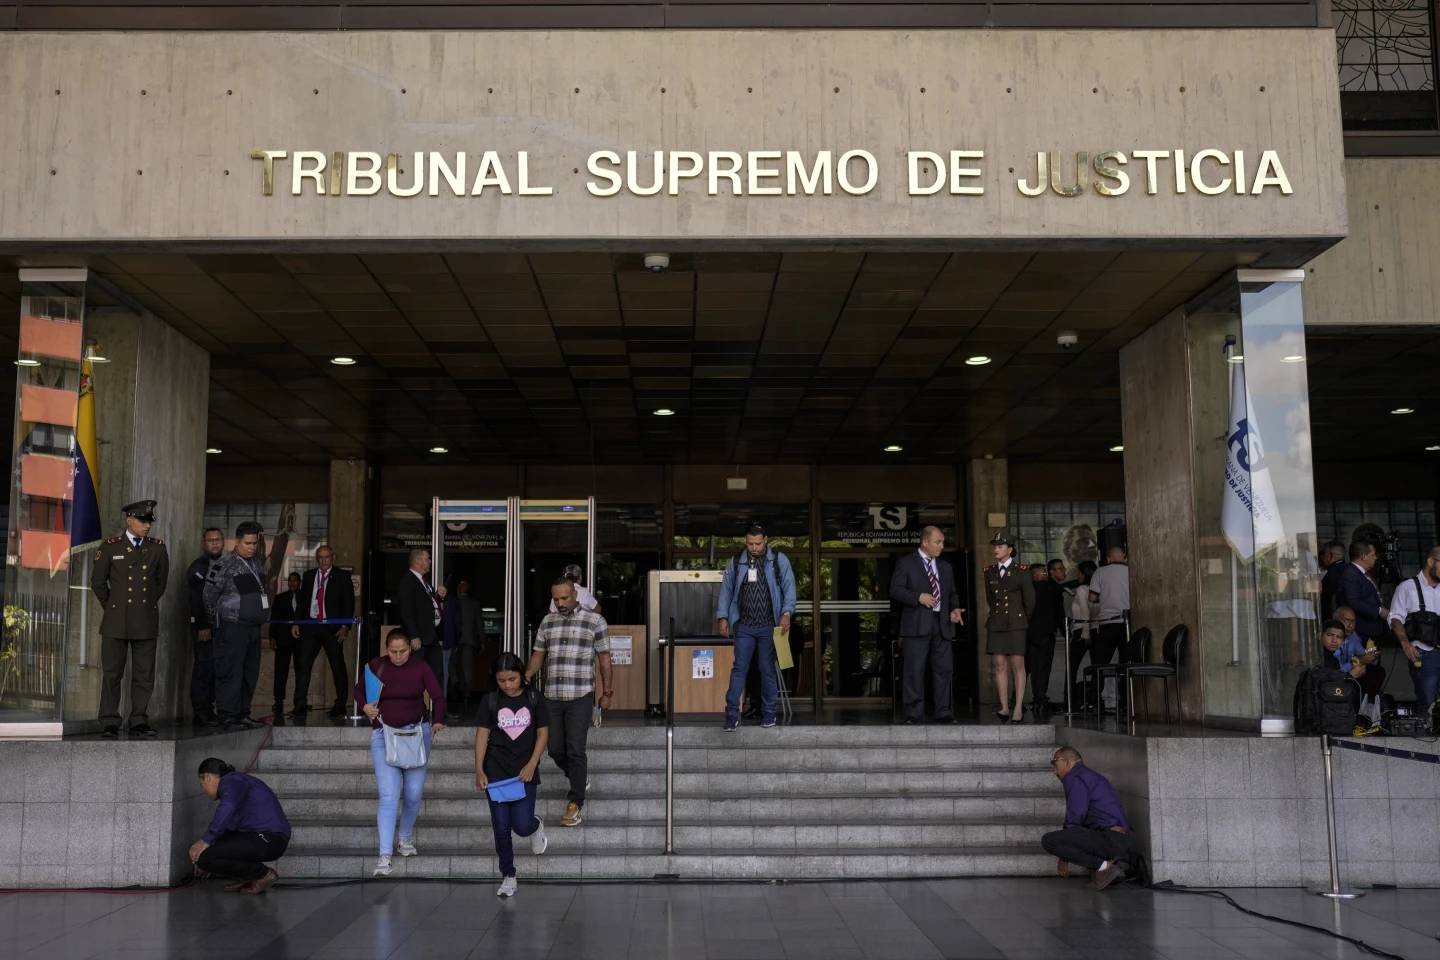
(507, 887)
(382, 867)
(406, 847)
(539, 843)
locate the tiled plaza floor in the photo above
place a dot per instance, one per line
(991, 919)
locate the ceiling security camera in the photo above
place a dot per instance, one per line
(657, 262)
(1067, 339)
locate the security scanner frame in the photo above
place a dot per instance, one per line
(514, 512)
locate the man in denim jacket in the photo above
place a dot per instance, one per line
(757, 596)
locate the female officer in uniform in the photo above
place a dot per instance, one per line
(1010, 594)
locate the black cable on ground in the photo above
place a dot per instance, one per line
(1166, 886)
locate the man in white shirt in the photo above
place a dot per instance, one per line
(1414, 599)
(1110, 588)
(584, 599)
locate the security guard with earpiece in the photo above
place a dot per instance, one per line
(128, 578)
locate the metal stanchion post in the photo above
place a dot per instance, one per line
(356, 715)
(1335, 892)
(1069, 707)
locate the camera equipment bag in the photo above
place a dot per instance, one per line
(1325, 702)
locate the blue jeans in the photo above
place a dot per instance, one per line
(1426, 678)
(507, 818)
(398, 789)
(752, 641)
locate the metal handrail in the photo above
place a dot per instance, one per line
(670, 642)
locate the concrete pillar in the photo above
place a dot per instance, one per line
(348, 479)
(1164, 476)
(988, 511)
(152, 405)
(347, 513)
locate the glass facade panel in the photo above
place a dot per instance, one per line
(1068, 529)
(1258, 613)
(36, 655)
(881, 526)
(1404, 530)
(1386, 54)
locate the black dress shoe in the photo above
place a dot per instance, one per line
(297, 713)
(911, 721)
(338, 711)
(111, 732)
(943, 720)
(144, 731)
(205, 722)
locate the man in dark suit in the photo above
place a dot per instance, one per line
(418, 608)
(923, 586)
(285, 638)
(1045, 622)
(329, 594)
(1357, 591)
(1332, 562)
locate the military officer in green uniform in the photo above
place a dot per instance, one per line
(128, 578)
(1010, 595)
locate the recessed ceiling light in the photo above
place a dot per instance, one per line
(439, 450)
(343, 361)
(213, 450)
(894, 448)
(1236, 358)
(664, 412)
(978, 360)
(1293, 358)
(1401, 411)
(1433, 447)
(1118, 448)
(27, 362)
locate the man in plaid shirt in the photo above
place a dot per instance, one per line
(567, 644)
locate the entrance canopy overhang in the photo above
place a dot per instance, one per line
(705, 140)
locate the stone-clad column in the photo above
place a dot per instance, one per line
(152, 409)
(989, 510)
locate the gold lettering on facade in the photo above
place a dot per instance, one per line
(1107, 168)
(766, 173)
(1042, 176)
(267, 160)
(1082, 175)
(307, 165)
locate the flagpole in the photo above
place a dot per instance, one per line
(1234, 611)
(84, 659)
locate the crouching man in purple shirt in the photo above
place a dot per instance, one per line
(248, 832)
(1096, 835)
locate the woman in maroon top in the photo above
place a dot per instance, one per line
(404, 682)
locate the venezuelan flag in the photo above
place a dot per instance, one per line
(85, 521)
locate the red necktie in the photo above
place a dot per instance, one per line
(320, 596)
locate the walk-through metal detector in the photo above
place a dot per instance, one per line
(514, 512)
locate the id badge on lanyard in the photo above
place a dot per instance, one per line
(751, 575)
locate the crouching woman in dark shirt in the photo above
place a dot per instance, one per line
(514, 728)
(248, 831)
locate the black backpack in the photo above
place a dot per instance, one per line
(1326, 701)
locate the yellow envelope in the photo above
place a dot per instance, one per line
(782, 649)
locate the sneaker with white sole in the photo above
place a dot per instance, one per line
(406, 847)
(572, 816)
(507, 887)
(382, 867)
(539, 843)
